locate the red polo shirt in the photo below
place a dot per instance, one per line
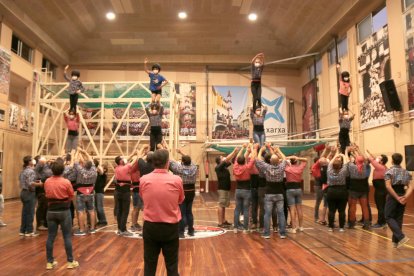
(316, 170)
(135, 175)
(242, 172)
(294, 173)
(72, 124)
(379, 171)
(57, 187)
(162, 193)
(123, 173)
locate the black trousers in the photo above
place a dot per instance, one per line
(380, 196)
(344, 140)
(41, 210)
(123, 199)
(73, 98)
(160, 236)
(256, 88)
(394, 214)
(155, 138)
(337, 198)
(344, 101)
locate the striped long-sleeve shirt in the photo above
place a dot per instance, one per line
(74, 85)
(258, 120)
(154, 119)
(26, 178)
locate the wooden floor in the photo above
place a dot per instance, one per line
(313, 252)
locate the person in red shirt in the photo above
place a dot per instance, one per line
(378, 181)
(72, 123)
(162, 194)
(294, 178)
(59, 193)
(243, 194)
(123, 192)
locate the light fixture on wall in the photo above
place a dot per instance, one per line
(110, 15)
(252, 17)
(182, 15)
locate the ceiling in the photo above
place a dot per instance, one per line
(216, 32)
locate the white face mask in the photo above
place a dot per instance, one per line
(346, 79)
(34, 162)
(71, 117)
(125, 161)
(155, 71)
(74, 77)
(346, 116)
(378, 159)
(257, 64)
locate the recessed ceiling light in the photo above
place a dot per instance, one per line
(182, 15)
(110, 15)
(252, 17)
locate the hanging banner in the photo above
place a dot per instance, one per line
(5, 58)
(409, 55)
(309, 109)
(188, 123)
(274, 98)
(231, 114)
(374, 67)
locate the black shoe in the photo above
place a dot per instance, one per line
(227, 223)
(191, 233)
(181, 236)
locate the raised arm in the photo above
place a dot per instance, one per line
(232, 154)
(280, 153)
(259, 55)
(147, 109)
(240, 151)
(325, 151)
(64, 73)
(145, 66)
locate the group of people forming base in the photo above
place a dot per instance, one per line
(269, 186)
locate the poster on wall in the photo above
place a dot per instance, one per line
(230, 112)
(13, 116)
(36, 78)
(187, 122)
(374, 67)
(309, 110)
(274, 98)
(5, 58)
(408, 19)
(24, 120)
(2, 115)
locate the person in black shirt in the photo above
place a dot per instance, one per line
(224, 186)
(99, 193)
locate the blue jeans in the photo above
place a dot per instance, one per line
(259, 137)
(243, 198)
(274, 201)
(54, 219)
(28, 199)
(255, 202)
(100, 212)
(187, 217)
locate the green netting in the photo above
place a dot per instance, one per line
(287, 150)
(112, 91)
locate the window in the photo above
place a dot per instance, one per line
(21, 49)
(332, 55)
(343, 47)
(311, 69)
(48, 66)
(371, 24)
(408, 3)
(18, 90)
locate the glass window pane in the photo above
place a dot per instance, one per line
(408, 3)
(364, 29)
(319, 67)
(343, 47)
(26, 52)
(332, 56)
(15, 44)
(379, 20)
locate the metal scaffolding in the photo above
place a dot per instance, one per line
(112, 117)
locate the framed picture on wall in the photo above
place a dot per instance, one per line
(2, 115)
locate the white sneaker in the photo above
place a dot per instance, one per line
(292, 230)
(235, 230)
(402, 242)
(282, 237)
(330, 230)
(301, 229)
(33, 234)
(2, 224)
(341, 230)
(245, 231)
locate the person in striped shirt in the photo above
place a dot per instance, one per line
(399, 184)
(188, 173)
(155, 113)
